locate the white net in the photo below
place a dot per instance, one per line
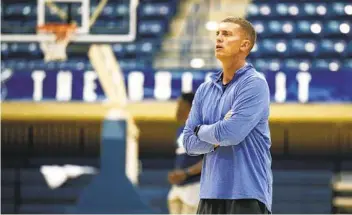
(54, 50)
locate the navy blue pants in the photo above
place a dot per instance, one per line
(231, 206)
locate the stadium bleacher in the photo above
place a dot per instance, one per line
(295, 30)
(292, 37)
(153, 20)
(315, 31)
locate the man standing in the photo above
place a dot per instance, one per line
(183, 197)
(228, 124)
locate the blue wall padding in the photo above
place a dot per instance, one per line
(111, 191)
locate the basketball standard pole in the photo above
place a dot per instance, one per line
(111, 192)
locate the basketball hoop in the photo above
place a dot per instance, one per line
(55, 49)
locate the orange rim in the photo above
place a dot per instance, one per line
(62, 31)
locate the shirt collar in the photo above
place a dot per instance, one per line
(216, 77)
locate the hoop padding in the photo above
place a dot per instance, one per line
(55, 49)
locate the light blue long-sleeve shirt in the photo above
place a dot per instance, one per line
(236, 118)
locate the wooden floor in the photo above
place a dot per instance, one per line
(164, 111)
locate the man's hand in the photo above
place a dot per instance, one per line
(177, 176)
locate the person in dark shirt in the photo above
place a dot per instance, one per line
(183, 197)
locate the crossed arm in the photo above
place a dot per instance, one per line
(192, 144)
(247, 110)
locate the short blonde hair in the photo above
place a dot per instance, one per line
(246, 26)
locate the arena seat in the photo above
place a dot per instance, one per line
(21, 10)
(151, 28)
(152, 24)
(287, 9)
(110, 27)
(7, 26)
(340, 9)
(260, 64)
(328, 64)
(332, 48)
(149, 10)
(337, 28)
(308, 28)
(281, 28)
(303, 48)
(306, 35)
(314, 9)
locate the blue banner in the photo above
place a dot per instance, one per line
(285, 86)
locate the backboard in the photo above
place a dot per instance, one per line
(118, 23)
